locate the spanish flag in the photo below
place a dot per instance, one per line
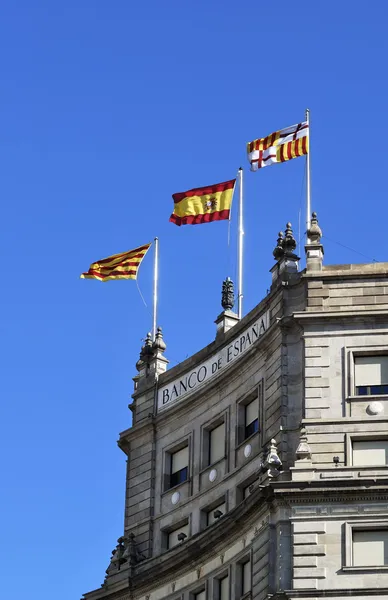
(203, 205)
(118, 266)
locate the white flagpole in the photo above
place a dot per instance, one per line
(155, 288)
(240, 244)
(308, 183)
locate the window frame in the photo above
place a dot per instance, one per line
(205, 440)
(240, 594)
(176, 476)
(245, 485)
(241, 434)
(217, 584)
(210, 444)
(203, 588)
(350, 527)
(167, 463)
(166, 532)
(212, 510)
(362, 437)
(208, 508)
(353, 353)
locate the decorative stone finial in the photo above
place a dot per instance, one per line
(146, 351)
(303, 451)
(289, 243)
(227, 297)
(278, 251)
(314, 232)
(117, 557)
(132, 553)
(272, 464)
(159, 343)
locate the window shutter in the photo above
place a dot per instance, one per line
(370, 452)
(180, 460)
(252, 411)
(371, 370)
(217, 443)
(370, 548)
(246, 577)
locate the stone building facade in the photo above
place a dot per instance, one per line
(258, 467)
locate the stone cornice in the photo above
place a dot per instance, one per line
(350, 271)
(333, 593)
(137, 430)
(328, 491)
(343, 315)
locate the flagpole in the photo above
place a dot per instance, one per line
(156, 251)
(240, 244)
(308, 183)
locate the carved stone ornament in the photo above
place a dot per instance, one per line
(314, 232)
(227, 298)
(132, 553)
(159, 343)
(213, 475)
(375, 408)
(303, 451)
(147, 352)
(278, 251)
(289, 242)
(247, 451)
(117, 558)
(273, 464)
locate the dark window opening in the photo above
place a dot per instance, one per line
(371, 390)
(178, 477)
(252, 428)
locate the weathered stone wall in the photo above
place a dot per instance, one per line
(294, 528)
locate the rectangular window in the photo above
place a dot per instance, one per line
(246, 491)
(200, 595)
(179, 466)
(246, 578)
(252, 417)
(214, 514)
(177, 536)
(223, 588)
(216, 443)
(370, 452)
(371, 375)
(370, 547)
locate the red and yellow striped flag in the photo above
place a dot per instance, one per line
(118, 266)
(203, 205)
(280, 146)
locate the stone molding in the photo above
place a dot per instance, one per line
(204, 545)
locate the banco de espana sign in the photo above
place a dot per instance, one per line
(202, 373)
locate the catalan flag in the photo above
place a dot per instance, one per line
(203, 205)
(279, 146)
(118, 266)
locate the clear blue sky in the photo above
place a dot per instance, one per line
(106, 109)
